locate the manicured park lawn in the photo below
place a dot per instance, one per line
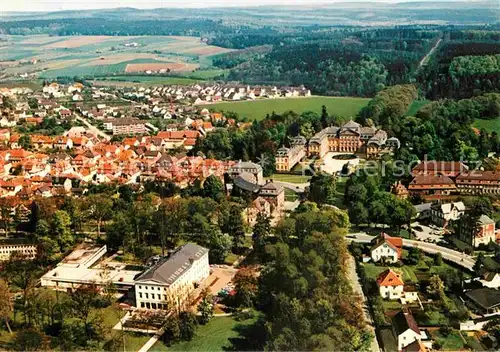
(289, 178)
(488, 125)
(211, 337)
(346, 107)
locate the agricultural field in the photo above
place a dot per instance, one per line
(49, 57)
(345, 107)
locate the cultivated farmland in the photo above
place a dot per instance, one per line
(345, 107)
(49, 57)
(154, 67)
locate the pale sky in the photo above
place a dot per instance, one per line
(57, 5)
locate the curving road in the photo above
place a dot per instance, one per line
(464, 260)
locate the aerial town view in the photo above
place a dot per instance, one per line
(250, 176)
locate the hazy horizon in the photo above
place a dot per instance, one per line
(65, 5)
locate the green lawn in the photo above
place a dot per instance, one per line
(211, 337)
(452, 342)
(289, 178)
(415, 106)
(372, 271)
(488, 125)
(345, 107)
(290, 196)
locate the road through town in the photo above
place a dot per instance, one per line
(451, 255)
(356, 285)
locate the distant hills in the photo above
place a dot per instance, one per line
(341, 13)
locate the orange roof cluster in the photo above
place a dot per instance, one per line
(389, 278)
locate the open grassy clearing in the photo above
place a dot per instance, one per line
(215, 336)
(345, 107)
(488, 125)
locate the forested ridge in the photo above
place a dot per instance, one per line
(358, 63)
(462, 68)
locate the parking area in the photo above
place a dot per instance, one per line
(427, 233)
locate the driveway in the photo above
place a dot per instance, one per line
(332, 166)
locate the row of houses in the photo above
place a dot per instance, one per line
(212, 93)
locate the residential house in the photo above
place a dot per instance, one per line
(406, 329)
(423, 211)
(390, 285)
(258, 206)
(386, 248)
(442, 214)
(399, 190)
(477, 232)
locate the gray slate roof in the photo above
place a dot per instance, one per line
(168, 270)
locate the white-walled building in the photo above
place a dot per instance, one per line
(406, 329)
(82, 267)
(442, 214)
(390, 285)
(386, 248)
(172, 279)
(10, 246)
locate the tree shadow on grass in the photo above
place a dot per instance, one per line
(251, 337)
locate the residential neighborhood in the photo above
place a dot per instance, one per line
(216, 185)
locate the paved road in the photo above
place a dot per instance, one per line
(354, 278)
(93, 129)
(451, 255)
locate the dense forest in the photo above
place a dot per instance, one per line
(462, 68)
(101, 26)
(356, 63)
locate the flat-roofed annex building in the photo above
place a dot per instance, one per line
(172, 279)
(83, 267)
